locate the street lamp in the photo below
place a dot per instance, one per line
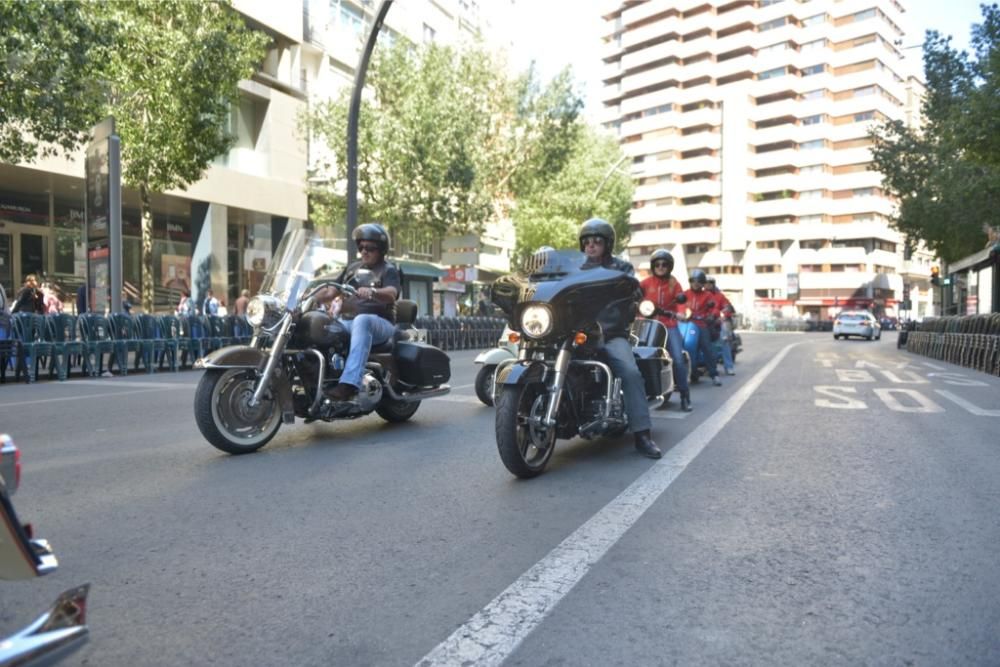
(352, 127)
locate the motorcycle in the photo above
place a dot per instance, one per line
(63, 627)
(691, 333)
(649, 309)
(297, 354)
(561, 385)
(493, 360)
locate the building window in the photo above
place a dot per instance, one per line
(814, 94)
(429, 34)
(810, 219)
(813, 69)
(815, 19)
(813, 120)
(811, 194)
(863, 116)
(812, 145)
(772, 73)
(771, 25)
(814, 44)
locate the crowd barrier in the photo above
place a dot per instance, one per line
(972, 341)
(89, 345)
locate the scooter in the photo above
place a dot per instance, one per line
(504, 354)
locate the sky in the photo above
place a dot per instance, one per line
(556, 33)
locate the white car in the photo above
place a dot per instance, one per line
(857, 323)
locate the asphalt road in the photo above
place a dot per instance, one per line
(833, 503)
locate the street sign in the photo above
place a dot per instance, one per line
(103, 228)
(793, 285)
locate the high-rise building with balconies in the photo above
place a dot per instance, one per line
(747, 123)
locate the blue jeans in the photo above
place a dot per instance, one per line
(727, 346)
(623, 365)
(675, 346)
(707, 350)
(366, 330)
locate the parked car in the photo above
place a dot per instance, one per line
(857, 323)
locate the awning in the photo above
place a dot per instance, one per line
(414, 267)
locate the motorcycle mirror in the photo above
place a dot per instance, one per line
(364, 278)
(647, 308)
(681, 298)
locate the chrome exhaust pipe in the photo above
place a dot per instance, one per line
(413, 396)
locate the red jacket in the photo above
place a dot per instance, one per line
(697, 302)
(721, 302)
(663, 293)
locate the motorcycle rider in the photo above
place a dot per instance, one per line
(724, 311)
(369, 314)
(662, 289)
(698, 300)
(597, 241)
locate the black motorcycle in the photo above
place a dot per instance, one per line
(297, 354)
(561, 385)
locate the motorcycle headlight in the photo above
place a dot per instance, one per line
(263, 309)
(647, 308)
(536, 321)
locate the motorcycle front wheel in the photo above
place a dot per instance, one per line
(224, 415)
(525, 447)
(484, 383)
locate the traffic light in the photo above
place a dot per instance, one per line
(935, 275)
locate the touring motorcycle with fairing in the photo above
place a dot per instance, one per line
(561, 385)
(297, 353)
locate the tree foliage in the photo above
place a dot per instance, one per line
(592, 183)
(446, 139)
(946, 174)
(50, 93)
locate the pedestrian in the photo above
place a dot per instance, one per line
(241, 303)
(210, 306)
(185, 306)
(81, 299)
(29, 298)
(663, 289)
(53, 305)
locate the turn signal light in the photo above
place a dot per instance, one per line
(514, 337)
(580, 338)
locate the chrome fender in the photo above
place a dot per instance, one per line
(233, 356)
(494, 356)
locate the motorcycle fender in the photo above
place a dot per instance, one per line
(233, 356)
(494, 356)
(525, 372)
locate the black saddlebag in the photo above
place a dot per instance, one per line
(421, 364)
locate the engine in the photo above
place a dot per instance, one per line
(369, 393)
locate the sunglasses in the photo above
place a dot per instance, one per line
(365, 247)
(661, 265)
(597, 240)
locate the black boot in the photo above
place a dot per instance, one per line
(686, 401)
(645, 445)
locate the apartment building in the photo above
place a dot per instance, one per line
(229, 223)
(747, 125)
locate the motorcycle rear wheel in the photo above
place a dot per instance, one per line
(224, 416)
(525, 448)
(395, 412)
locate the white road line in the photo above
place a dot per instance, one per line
(974, 409)
(457, 398)
(496, 631)
(670, 415)
(125, 392)
(934, 366)
(463, 386)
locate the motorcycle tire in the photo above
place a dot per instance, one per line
(484, 383)
(224, 416)
(396, 412)
(524, 451)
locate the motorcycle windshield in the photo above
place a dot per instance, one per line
(547, 265)
(301, 256)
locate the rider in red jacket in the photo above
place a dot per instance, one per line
(702, 305)
(724, 311)
(663, 289)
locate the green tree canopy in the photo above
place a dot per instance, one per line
(50, 94)
(593, 183)
(446, 139)
(946, 174)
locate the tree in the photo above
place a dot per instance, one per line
(50, 55)
(446, 138)
(590, 184)
(172, 81)
(946, 174)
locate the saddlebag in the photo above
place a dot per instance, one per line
(421, 365)
(655, 370)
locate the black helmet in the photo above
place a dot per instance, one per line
(698, 276)
(373, 232)
(598, 227)
(662, 255)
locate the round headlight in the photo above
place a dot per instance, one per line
(536, 321)
(647, 308)
(258, 309)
